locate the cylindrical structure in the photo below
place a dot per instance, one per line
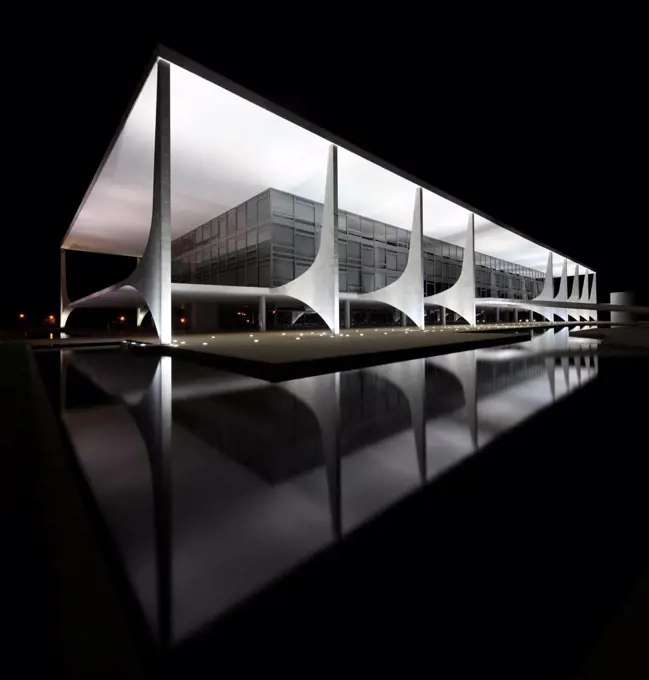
(623, 298)
(442, 313)
(348, 314)
(404, 319)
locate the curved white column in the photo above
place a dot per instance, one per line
(546, 294)
(407, 293)
(584, 298)
(152, 277)
(592, 313)
(460, 297)
(562, 295)
(317, 287)
(574, 295)
(65, 310)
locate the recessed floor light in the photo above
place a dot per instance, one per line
(205, 344)
(255, 340)
(297, 338)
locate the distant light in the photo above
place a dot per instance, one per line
(251, 335)
(122, 319)
(205, 344)
(51, 336)
(182, 342)
(297, 338)
(361, 335)
(384, 333)
(347, 335)
(182, 319)
(301, 333)
(51, 317)
(213, 337)
(143, 344)
(21, 316)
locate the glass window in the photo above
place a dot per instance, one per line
(222, 227)
(379, 280)
(232, 222)
(367, 227)
(391, 235)
(368, 256)
(251, 238)
(379, 231)
(251, 213)
(342, 221)
(353, 250)
(403, 236)
(402, 258)
(283, 269)
(353, 277)
(391, 260)
(232, 246)
(368, 283)
(342, 252)
(264, 274)
(353, 223)
(342, 281)
(283, 235)
(241, 217)
(206, 233)
(304, 245)
(263, 208)
(300, 269)
(304, 211)
(379, 257)
(282, 203)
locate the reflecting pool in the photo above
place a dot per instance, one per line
(213, 484)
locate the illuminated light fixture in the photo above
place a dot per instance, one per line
(347, 335)
(297, 338)
(361, 335)
(213, 337)
(21, 316)
(301, 333)
(205, 344)
(182, 319)
(142, 344)
(251, 335)
(255, 340)
(122, 319)
(384, 333)
(182, 342)
(283, 333)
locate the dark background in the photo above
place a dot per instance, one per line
(533, 118)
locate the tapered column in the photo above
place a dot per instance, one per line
(64, 311)
(317, 287)
(460, 297)
(262, 313)
(348, 314)
(442, 315)
(404, 319)
(407, 293)
(152, 278)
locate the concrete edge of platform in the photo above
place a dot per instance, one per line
(279, 372)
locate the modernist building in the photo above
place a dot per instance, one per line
(225, 199)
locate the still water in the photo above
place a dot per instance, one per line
(213, 484)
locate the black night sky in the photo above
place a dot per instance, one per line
(536, 126)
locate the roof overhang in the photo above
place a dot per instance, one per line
(227, 145)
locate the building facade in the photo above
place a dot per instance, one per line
(273, 237)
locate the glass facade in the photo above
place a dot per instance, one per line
(273, 238)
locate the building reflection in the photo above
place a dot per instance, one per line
(214, 484)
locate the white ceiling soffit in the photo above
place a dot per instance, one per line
(225, 149)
